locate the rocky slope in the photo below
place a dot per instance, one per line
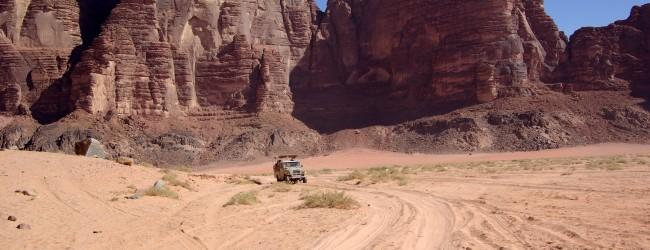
(196, 81)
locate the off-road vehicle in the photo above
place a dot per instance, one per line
(288, 169)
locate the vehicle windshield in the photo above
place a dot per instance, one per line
(291, 164)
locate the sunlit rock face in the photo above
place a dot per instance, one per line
(612, 57)
(164, 58)
(440, 51)
(172, 57)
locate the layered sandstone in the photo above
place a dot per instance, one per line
(357, 59)
(169, 58)
(36, 41)
(442, 51)
(612, 57)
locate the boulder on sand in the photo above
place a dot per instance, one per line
(159, 184)
(90, 147)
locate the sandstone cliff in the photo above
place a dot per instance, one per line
(37, 39)
(612, 57)
(176, 58)
(445, 51)
(199, 80)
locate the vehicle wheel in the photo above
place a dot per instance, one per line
(304, 180)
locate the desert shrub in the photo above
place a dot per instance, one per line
(401, 180)
(434, 168)
(325, 171)
(243, 198)
(125, 161)
(161, 192)
(336, 200)
(608, 163)
(243, 180)
(386, 174)
(281, 187)
(354, 175)
(172, 179)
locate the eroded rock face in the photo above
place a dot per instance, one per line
(176, 58)
(612, 57)
(442, 51)
(36, 42)
(170, 57)
(358, 64)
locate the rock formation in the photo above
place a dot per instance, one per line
(170, 58)
(612, 57)
(36, 41)
(256, 77)
(166, 58)
(443, 51)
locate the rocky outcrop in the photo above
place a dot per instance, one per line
(246, 78)
(612, 57)
(442, 51)
(36, 41)
(168, 58)
(171, 58)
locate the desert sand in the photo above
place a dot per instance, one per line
(585, 197)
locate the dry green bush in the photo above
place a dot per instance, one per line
(125, 161)
(242, 180)
(281, 187)
(386, 174)
(332, 199)
(325, 171)
(161, 192)
(354, 175)
(243, 198)
(172, 179)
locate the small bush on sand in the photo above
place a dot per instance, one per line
(242, 180)
(172, 179)
(337, 200)
(401, 180)
(243, 198)
(434, 168)
(125, 161)
(354, 175)
(326, 171)
(386, 174)
(161, 192)
(281, 187)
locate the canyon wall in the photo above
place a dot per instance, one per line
(195, 81)
(178, 58)
(428, 52)
(612, 57)
(37, 39)
(171, 58)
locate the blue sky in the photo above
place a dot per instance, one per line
(573, 14)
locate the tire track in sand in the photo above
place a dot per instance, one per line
(420, 222)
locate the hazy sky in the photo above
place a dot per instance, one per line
(573, 14)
